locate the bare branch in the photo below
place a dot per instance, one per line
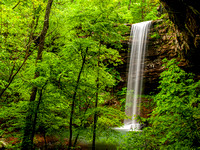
(16, 5)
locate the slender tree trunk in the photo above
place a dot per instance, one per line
(76, 139)
(143, 2)
(29, 131)
(74, 99)
(35, 116)
(27, 54)
(16, 5)
(95, 117)
(45, 140)
(96, 103)
(12, 76)
(33, 124)
(129, 6)
(36, 111)
(33, 25)
(77, 136)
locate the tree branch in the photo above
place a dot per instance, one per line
(16, 5)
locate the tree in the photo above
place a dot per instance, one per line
(175, 121)
(88, 27)
(74, 97)
(51, 82)
(10, 40)
(29, 130)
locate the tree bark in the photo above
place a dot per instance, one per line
(16, 5)
(74, 99)
(29, 131)
(36, 111)
(77, 136)
(96, 103)
(143, 2)
(95, 117)
(129, 6)
(27, 54)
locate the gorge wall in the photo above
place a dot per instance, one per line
(175, 36)
(162, 44)
(185, 14)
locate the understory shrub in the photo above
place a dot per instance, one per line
(175, 121)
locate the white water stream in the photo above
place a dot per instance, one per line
(138, 39)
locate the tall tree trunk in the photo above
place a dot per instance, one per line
(96, 103)
(74, 99)
(95, 117)
(83, 119)
(129, 6)
(36, 111)
(143, 2)
(45, 140)
(16, 4)
(27, 143)
(35, 116)
(27, 54)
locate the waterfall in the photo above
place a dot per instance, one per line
(138, 40)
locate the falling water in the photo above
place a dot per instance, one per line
(139, 34)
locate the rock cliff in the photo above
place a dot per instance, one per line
(176, 36)
(162, 44)
(185, 14)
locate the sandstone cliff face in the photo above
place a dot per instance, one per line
(185, 14)
(162, 44)
(177, 37)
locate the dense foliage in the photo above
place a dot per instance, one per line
(174, 123)
(57, 71)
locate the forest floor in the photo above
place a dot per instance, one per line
(54, 143)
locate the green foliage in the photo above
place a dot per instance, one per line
(121, 95)
(155, 35)
(109, 117)
(174, 123)
(132, 141)
(92, 28)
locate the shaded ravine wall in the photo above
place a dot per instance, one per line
(161, 44)
(176, 36)
(185, 14)
(166, 40)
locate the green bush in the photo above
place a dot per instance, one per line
(175, 121)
